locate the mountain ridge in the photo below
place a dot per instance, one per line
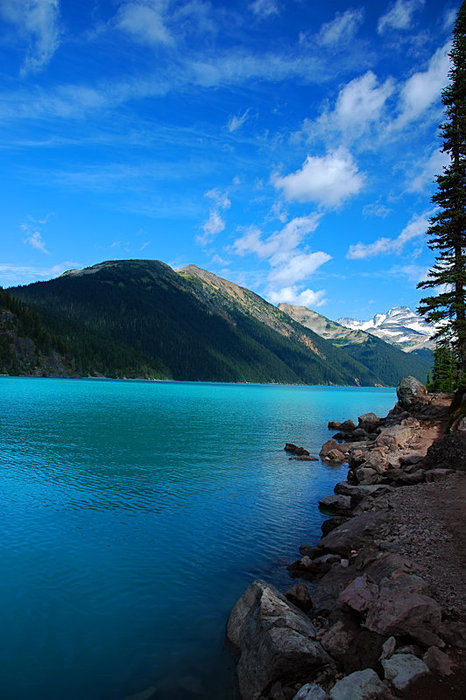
(141, 318)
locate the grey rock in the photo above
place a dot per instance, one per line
(388, 648)
(338, 504)
(410, 392)
(402, 669)
(360, 685)
(360, 594)
(299, 595)
(369, 422)
(311, 691)
(330, 524)
(354, 534)
(438, 661)
(276, 641)
(401, 610)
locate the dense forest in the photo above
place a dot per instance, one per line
(142, 319)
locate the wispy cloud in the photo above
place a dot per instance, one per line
(215, 224)
(341, 29)
(291, 262)
(358, 107)
(37, 23)
(416, 228)
(432, 167)
(237, 121)
(424, 88)
(399, 16)
(11, 274)
(32, 229)
(265, 8)
(328, 180)
(144, 21)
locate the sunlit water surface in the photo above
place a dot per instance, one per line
(134, 515)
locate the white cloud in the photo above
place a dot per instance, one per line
(292, 295)
(298, 267)
(359, 105)
(33, 234)
(399, 16)
(376, 209)
(424, 88)
(341, 29)
(416, 228)
(37, 21)
(264, 8)
(431, 168)
(215, 223)
(327, 180)
(289, 264)
(236, 122)
(145, 21)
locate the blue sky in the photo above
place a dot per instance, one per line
(287, 145)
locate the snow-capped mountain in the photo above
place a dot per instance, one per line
(400, 326)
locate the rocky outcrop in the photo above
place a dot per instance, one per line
(382, 617)
(276, 641)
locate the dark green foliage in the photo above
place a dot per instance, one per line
(444, 372)
(390, 363)
(447, 232)
(140, 318)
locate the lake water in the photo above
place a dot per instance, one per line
(134, 514)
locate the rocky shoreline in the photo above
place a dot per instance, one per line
(380, 609)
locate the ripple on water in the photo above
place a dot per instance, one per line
(135, 514)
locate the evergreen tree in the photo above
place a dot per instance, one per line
(447, 231)
(444, 370)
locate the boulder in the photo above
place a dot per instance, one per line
(336, 504)
(276, 641)
(299, 595)
(410, 393)
(305, 458)
(360, 594)
(401, 609)
(369, 422)
(360, 685)
(330, 524)
(388, 648)
(367, 475)
(354, 534)
(338, 638)
(335, 456)
(294, 449)
(311, 691)
(359, 491)
(312, 569)
(438, 661)
(308, 550)
(327, 447)
(402, 669)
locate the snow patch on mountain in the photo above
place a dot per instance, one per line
(399, 326)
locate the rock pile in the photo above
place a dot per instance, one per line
(386, 610)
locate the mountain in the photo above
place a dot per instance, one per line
(400, 326)
(390, 363)
(140, 318)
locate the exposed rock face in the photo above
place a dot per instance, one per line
(311, 691)
(299, 595)
(276, 641)
(410, 392)
(402, 669)
(401, 610)
(360, 685)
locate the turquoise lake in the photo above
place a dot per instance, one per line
(134, 514)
